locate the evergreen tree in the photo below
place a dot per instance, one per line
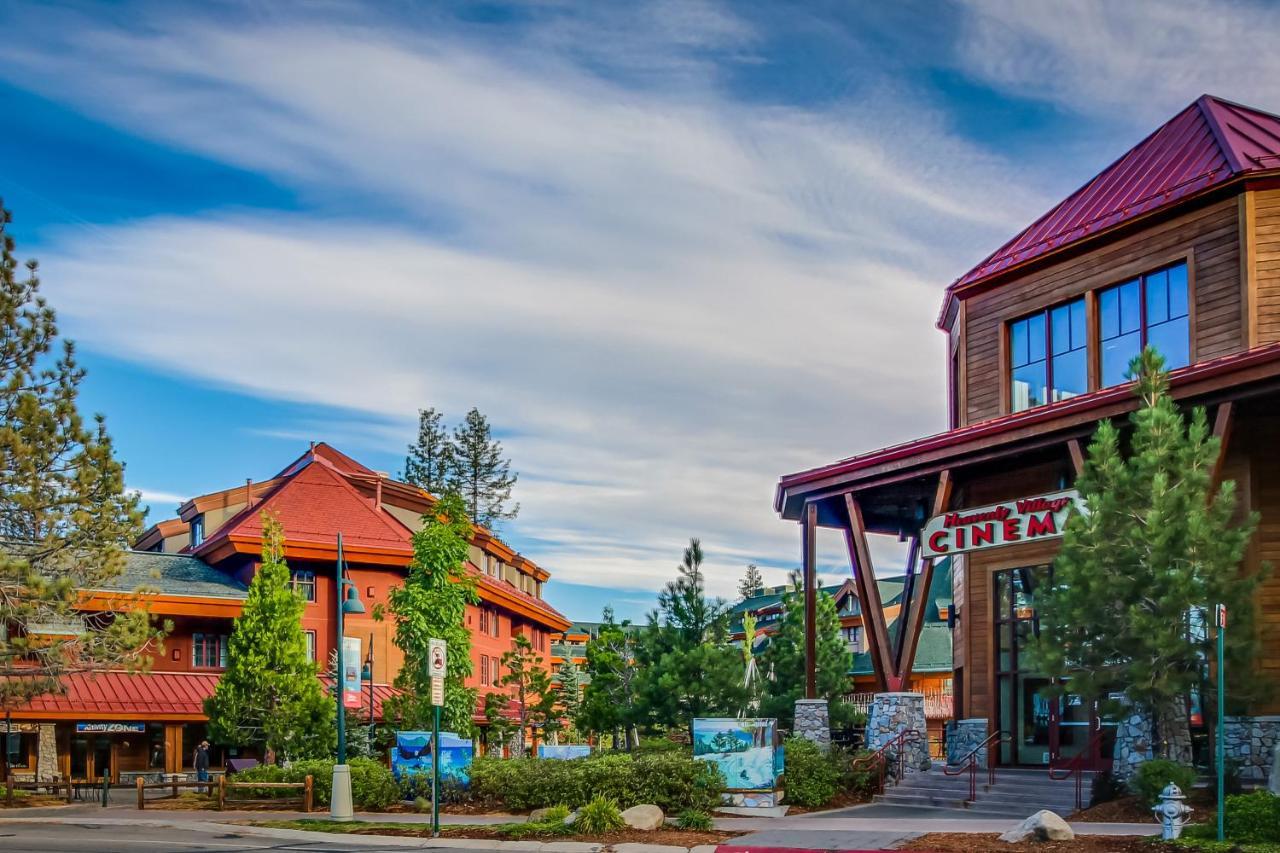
(432, 604)
(784, 665)
(531, 689)
(65, 518)
(571, 680)
(1144, 565)
(480, 474)
(687, 667)
(609, 699)
(752, 583)
(269, 697)
(430, 458)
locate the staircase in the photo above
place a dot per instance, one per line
(1018, 792)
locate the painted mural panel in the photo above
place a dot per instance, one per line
(413, 755)
(743, 750)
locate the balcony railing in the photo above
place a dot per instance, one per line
(938, 704)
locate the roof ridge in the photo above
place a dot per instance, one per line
(1205, 104)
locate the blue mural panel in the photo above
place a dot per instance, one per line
(744, 751)
(412, 754)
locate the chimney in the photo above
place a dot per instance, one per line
(248, 490)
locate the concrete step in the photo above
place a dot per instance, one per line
(922, 800)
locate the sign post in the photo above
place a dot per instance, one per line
(437, 653)
(1222, 706)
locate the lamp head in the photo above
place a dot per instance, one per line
(351, 602)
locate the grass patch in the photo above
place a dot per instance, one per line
(512, 831)
(1213, 846)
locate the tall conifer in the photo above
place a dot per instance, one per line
(480, 473)
(429, 461)
(783, 662)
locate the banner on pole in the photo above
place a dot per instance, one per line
(351, 660)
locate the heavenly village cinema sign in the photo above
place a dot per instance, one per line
(1024, 520)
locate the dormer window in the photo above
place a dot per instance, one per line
(197, 531)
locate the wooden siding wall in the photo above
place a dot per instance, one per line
(1209, 235)
(1262, 490)
(1264, 261)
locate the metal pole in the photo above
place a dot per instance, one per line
(1222, 710)
(435, 774)
(342, 716)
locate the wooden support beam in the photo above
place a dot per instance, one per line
(908, 592)
(864, 575)
(1077, 455)
(809, 530)
(1222, 423)
(912, 620)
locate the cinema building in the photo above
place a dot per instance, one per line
(196, 568)
(1177, 245)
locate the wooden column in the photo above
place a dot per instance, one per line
(1077, 456)
(809, 531)
(864, 575)
(913, 619)
(1222, 424)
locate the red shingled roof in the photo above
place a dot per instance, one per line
(1210, 142)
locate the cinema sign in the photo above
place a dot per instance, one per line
(1024, 520)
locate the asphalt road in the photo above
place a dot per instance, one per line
(18, 837)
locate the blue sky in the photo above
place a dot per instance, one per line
(672, 249)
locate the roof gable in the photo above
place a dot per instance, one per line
(1209, 143)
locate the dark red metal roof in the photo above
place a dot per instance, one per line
(1209, 143)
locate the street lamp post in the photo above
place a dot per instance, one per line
(348, 601)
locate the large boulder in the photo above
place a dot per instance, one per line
(1044, 825)
(644, 817)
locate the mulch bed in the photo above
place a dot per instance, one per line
(1131, 810)
(843, 800)
(961, 842)
(676, 837)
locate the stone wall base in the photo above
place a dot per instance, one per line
(1254, 742)
(1135, 739)
(813, 721)
(891, 715)
(47, 753)
(752, 799)
(965, 736)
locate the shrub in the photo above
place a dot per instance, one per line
(1152, 777)
(661, 744)
(421, 805)
(812, 776)
(600, 815)
(694, 820)
(1106, 787)
(373, 788)
(674, 782)
(1253, 817)
(863, 779)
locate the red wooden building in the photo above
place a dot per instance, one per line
(199, 565)
(1175, 244)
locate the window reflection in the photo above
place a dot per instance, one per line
(1048, 354)
(1151, 310)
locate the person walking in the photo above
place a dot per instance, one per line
(202, 761)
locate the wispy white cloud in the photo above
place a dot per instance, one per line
(161, 501)
(671, 295)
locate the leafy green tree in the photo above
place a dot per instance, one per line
(609, 699)
(480, 474)
(65, 517)
(752, 583)
(687, 667)
(269, 697)
(531, 689)
(432, 604)
(502, 724)
(430, 459)
(783, 661)
(1143, 567)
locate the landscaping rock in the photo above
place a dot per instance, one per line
(572, 818)
(644, 818)
(1044, 825)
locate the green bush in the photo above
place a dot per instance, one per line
(599, 815)
(660, 744)
(1152, 777)
(694, 820)
(671, 781)
(1253, 817)
(861, 778)
(812, 776)
(373, 788)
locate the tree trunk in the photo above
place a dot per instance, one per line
(1174, 732)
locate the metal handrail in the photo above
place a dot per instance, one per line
(970, 763)
(880, 757)
(1075, 767)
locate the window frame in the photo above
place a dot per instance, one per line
(1048, 356)
(306, 588)
(200, 640)
(1144, 326)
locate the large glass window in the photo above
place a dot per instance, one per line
(1151, 309)
(209, 651)
(1048, 356)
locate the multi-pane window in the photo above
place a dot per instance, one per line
(304, 583)
(1149, 310)
(197, 531)
(1048, 356)
(208, 651)
(484, 669)
(853, 637)
(310, 638)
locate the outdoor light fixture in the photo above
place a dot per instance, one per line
(348, 601)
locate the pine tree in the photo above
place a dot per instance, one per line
(570, 682)
(687, 667)
(609, 699)
(480, 474)
(432, 604)
(430, 459)
(65, 517)
(531, 689)
(783, 662)
(269, 697)
(1144, 565)
(752, 583)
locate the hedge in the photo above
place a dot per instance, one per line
(373, 788)
(673, 782)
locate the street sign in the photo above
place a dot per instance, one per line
(436, 658)
(437, 691)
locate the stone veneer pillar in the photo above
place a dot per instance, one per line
(813, 721)
(1135, 736)
(966, 736)
(891, 715)
(1255, 743)
(47, 753)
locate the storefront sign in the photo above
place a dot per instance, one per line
(351, 661)
(111, 728)
(19, 728)
(1024, 520)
